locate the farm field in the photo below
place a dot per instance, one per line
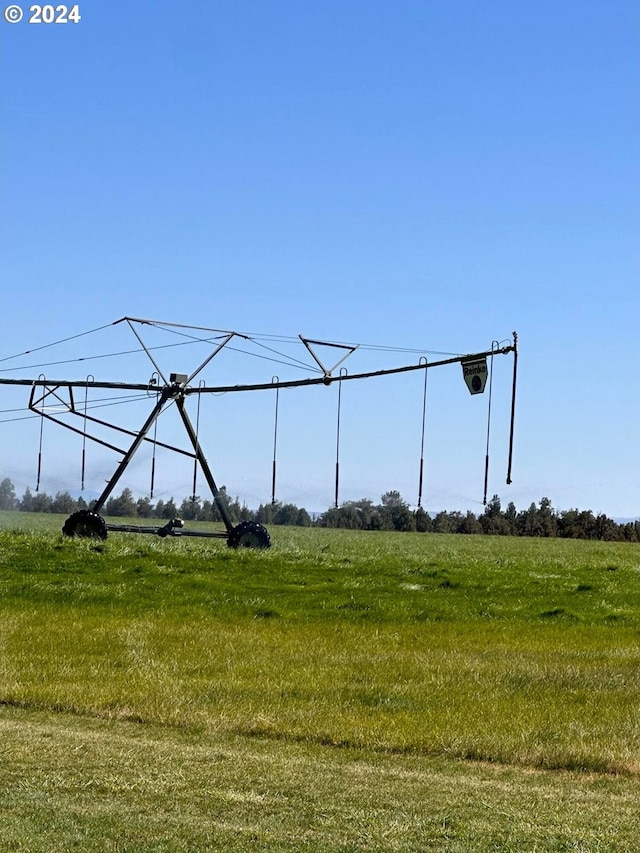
(342, 691)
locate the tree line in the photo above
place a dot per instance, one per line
(128, 506)
(538, 520)
(392, 513)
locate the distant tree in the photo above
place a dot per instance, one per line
(233, 508)
(493, 522)
(547, 518)
(607, 529)
(587, 525)
(493, 526)
(211, 512)
(423, 521)
(123, 505)
(368, 514)
(528, 522)
(266, 512)
(456, 518)
(510, 517)
(330, 518)
(469, 524)
(169, 510)
(493, 507)
(190, 508)
(41, 502)
(352, 516)
(8, 498)
(629, 532)
(246, 514)
(443, 523)
(392, 499)
(403, 519)
(395, 510)
(286, 514)
(63, 503)
(144, 507)
(345, 516)
(26, 502)
(360, 515)
(567, 524)
(303, 519)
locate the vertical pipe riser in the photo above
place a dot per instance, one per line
(513, 405)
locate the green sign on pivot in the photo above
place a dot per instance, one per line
(475, 374)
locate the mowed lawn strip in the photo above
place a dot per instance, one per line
(76, 783)
(541, 699)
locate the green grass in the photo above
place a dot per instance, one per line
(341, 691)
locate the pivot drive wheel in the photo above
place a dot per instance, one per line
(249, 534)
(86, 524)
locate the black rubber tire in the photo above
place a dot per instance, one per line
(86, 524)
(249, 534)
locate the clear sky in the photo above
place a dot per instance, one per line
(428, 175)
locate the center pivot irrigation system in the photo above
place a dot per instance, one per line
(50, 399)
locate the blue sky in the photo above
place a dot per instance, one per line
(428, 175)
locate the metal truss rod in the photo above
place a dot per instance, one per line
(179, 326)
(150, 357)
(82, 432)
(101, 441)
(212, 356)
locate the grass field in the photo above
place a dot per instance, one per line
(342, 691)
